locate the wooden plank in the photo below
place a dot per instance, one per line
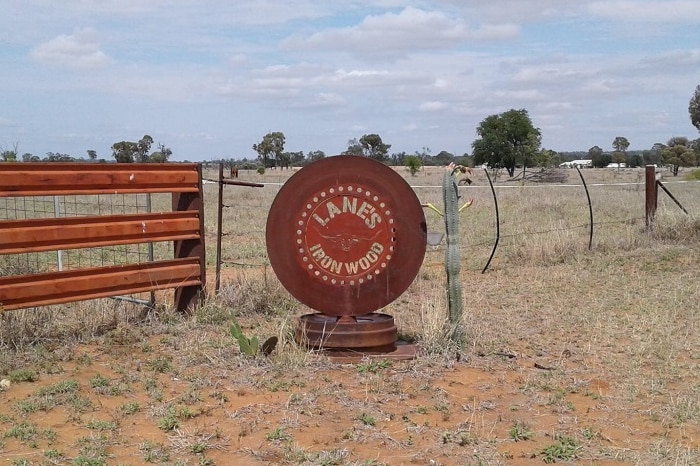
(22, 291)
(49, 179)
(51, 234)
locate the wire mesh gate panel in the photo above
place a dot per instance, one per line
(82, 231)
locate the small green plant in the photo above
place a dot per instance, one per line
(520, 431)
(589, 433)
(154, 453)
(59, 388)
(87, 461)
(248, 346)
(53, 454)
(129, 408)
(199, 447)
(373, 366)
(565, 449)
(367, 420)
(261, 170)
(23, 375)
(102, 425)
(169, 421)
(24, 432)
(278, 435)
(99, 381)
(161, 364)
(251, 346)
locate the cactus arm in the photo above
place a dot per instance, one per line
(468, 204)
(430, 206)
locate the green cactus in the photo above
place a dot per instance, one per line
(248, 346)
(452, 261)
(450, 198)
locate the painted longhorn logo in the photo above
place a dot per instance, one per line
(346, 235)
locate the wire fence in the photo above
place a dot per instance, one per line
(533, 217)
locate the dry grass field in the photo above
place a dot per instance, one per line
(574, 356)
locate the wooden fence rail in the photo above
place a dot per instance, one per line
(184, 226)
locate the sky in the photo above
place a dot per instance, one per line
(210, 78)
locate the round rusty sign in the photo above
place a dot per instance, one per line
(346, 235)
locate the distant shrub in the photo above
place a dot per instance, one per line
(693, 175)
(413, 163)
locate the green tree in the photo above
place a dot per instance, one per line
(398, 158)
(598, 158)
(655, 154)
(130, 152)
(619, 156)
(294, 159)
(547, 158)
(678, 153)
(315, 155)
(58, 157)
(696, 150)
(354, 148)
(124, 151)
(143, 147)
(443, 158)
(9, 155)
(620, 144)
(161, 155)
(369, 145)
(505, 140)
(92, 154)
(271, 147)
(694, 108)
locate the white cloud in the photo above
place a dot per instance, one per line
(434, 106)
(398, 34)
(674, 11)
(672, 60)
(79, 50)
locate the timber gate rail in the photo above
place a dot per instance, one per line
(184, 225)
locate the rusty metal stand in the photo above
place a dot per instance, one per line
(352, 338)
(346, 236)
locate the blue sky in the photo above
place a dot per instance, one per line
(210, 78)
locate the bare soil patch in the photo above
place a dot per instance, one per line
(573, 356)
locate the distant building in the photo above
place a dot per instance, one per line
(577, 164)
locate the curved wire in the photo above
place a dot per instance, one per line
(498, 222)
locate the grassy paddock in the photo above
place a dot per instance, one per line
(573, 354)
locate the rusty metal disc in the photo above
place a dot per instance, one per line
(346, 235)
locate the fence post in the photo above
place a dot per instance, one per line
(57, 213)
(186, 298)
(219, 227)
(651, 194)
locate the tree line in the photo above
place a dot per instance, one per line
(122, 152)
(507, 140)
